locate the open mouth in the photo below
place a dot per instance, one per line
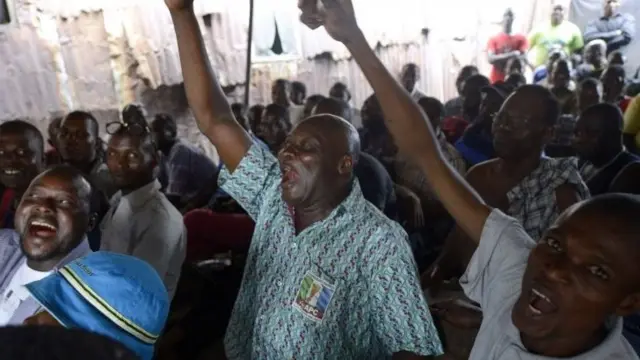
(11, 172)
(42, 229)
(540, 304)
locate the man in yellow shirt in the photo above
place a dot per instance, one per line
(631, 128)
(559, 34)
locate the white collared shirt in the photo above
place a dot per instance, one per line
(146, 225)
(494, 280)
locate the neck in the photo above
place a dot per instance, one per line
(167, 148)
(132, 188)
(561, 347)
(521, 167)
(306, 216)
(86, 167)
(46, 265)
(605, 156)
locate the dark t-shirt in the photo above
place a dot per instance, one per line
(376, 184)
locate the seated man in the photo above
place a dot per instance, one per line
(476, 145)
(614, 28)
(598, 140)
(52, 156)
(52, 222)
(21, 160)
(559, 297)
(80, 147)
(114, 295)
(141, 221)
(326, 273)
(589, 93)
(613, 82)
(274, 127)
(376, 184)
(521, 181)
(595, 61)
(188, 171)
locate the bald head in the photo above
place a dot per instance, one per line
(70, 175)
(617, 214)
(340, 134)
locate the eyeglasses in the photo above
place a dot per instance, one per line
(134, 129)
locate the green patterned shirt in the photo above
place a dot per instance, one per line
(344, 288)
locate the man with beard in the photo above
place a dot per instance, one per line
(21, 160)
(559, 297)
(51, 223)
(326, 273)
(142, 222)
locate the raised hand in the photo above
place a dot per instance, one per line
(177, 5)
(337, 16)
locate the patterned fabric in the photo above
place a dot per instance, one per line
(188, 170)
(344, 288)
(533, 201)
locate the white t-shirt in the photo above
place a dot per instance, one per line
(494, 280)
(16, 292)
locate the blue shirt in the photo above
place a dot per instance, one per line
(344, 288)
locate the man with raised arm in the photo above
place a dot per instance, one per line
(327, 276)
(559, 297)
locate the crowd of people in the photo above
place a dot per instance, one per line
(500, 224)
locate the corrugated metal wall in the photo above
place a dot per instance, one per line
(99, 55)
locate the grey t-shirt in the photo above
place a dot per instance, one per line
(494, 280)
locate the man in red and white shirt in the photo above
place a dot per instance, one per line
(505, 46)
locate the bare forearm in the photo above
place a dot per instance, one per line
(204, 93)
(493, 58)
(415, 137)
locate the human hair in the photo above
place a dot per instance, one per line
(282, 82)
(299, 86)
(549, 101)
(279, 112)
(334, 107)
(78, 114)
(610, 116)
(588, 82)
(166, 121)
(59, 343)
(20, 126)
(339, 86)
(433, 108)
(134, 113)
(617, 70)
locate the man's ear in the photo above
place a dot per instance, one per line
(93, 221)
(346, 165)
(630, 305)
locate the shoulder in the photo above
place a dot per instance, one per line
(480, 171)
(162, 216)
(9, 238)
